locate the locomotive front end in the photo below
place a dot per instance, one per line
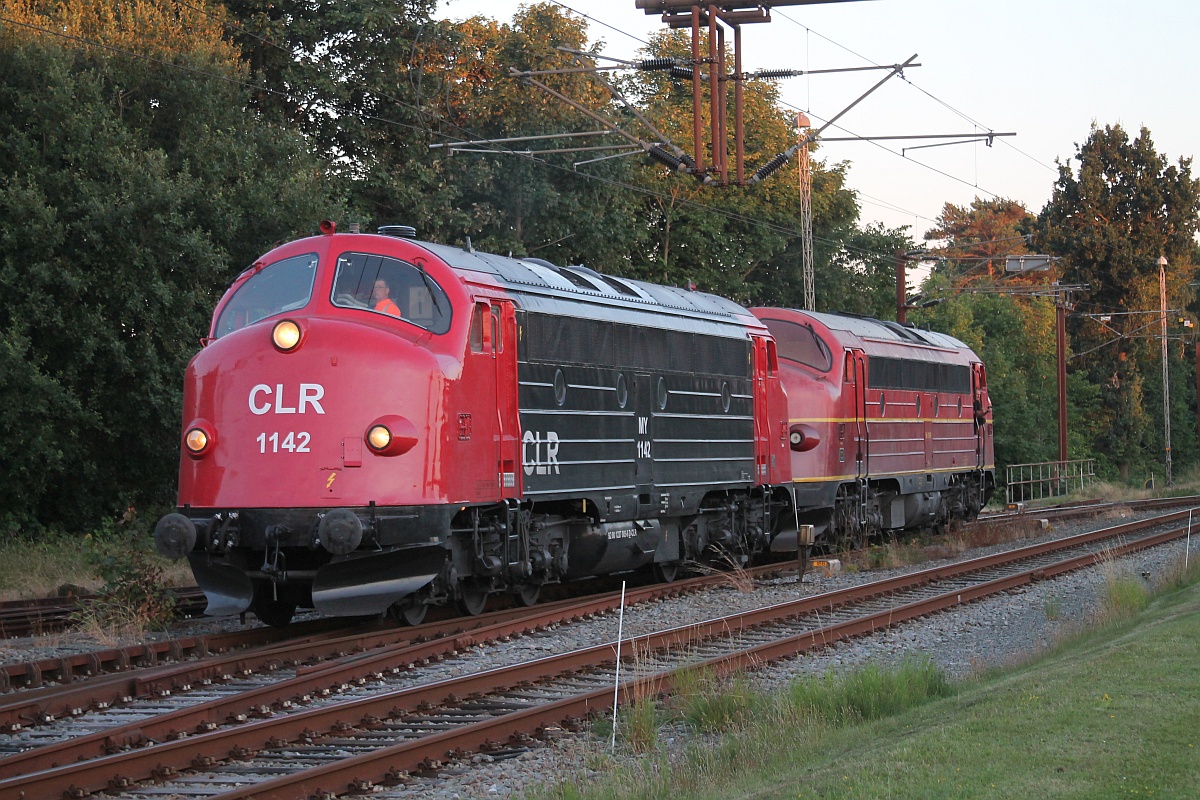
(313, 422)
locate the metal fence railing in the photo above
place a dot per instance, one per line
(1026, 482)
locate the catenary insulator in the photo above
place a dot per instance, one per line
(670, 159)
(776, 73)
(772, 165)
(657, 63)
(685, 73)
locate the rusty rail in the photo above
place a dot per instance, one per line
(383, 765)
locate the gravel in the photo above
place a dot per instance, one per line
(963, 641)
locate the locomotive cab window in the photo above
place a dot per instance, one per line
(275, 289)
(391, 287)
(486, 329)
(801, 344)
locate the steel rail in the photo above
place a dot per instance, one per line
(41, 615)
(209, 748)
(73, 667)
(45, 705)
(406, 646)
(1090, 507)
(388, 765)
(88, 666)
(323, 639)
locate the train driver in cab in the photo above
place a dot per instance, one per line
(381, 298)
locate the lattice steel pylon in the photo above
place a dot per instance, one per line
(806, 244)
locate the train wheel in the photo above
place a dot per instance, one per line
(409, 611)
(472, 598)
(527, 594)
(665, 572)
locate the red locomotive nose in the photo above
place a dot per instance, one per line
(310, 427)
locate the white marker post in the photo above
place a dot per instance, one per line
(617, 679)
(1188, 547)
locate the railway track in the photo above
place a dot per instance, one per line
(20, 618)
(366, 719)
(1087, 508)
(53, 614)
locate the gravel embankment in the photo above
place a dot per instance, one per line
(1002, 630)
(993, 632)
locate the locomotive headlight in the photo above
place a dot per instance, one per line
(802, 438)
(391, 435)
(198, 438)
(379, 437)
(285, 335)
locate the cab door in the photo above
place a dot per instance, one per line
(508, 421)
(760, 409)
(489, 432)
(981, 407)
(856, 374)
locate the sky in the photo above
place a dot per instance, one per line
(1044, 69)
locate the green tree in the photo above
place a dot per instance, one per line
(1014, 337)
(1014, 334)
(536, 205)
(979, 238)
(131, 194)
(363, 81)
(1110, 222)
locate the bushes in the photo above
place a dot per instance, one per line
(134, 596)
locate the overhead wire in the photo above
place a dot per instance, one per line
(601, 22)
(837, 126)
(860, 252)
(734, 216)
(878, 201)
(913, 84)
(258, 86)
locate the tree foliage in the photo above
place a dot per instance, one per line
(131, 194)
(1111, 222)
(981, 237)
(1014, 333)
(149, 150)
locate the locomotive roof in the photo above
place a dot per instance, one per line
(885, 330)
(551, 288)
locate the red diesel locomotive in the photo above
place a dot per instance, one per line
(380, 424)
(890, 427)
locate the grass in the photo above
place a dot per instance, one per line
(1111, 712)
(709, 704)
(910, 551)
(733, 574)
(54, 562)
(39, 568)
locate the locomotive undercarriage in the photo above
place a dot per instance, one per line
(868, 510)
(517, 549)
(365, 561)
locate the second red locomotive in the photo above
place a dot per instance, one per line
(379, 424)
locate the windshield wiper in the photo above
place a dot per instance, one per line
(429, 284)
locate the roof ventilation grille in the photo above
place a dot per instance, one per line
(402, 231)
